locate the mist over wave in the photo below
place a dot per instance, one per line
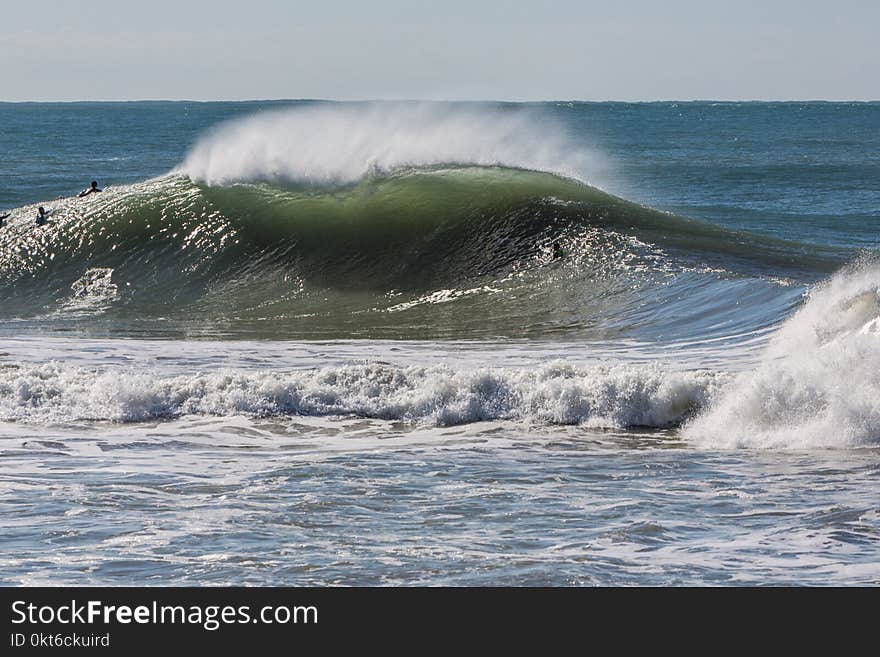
(332, 144)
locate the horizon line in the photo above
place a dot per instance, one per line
(434, 100)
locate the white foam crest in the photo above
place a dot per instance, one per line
(618, 396)
(818, 384)
(331, 143)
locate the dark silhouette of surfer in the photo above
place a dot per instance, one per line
(3, 218)
(557, 251)
(43, 215)
(91, 189)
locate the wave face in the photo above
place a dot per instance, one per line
(413, 222)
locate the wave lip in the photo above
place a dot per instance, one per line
(332, 144)
(614, 397)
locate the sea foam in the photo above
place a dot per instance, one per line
(612, 396)
(818, 384)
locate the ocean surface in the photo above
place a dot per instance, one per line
(313, 343)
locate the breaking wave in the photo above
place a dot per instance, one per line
(316, 262)
(393, 222)
(818, 384)
(617, 396)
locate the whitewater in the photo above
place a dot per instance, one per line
(329, 343)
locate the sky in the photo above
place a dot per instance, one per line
(452, 49)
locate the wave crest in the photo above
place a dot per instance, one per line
(331, 144)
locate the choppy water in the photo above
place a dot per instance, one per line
(329, 343)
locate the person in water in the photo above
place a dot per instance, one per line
(43, 215)
(3, 218)
(557, 251)
(91, 189)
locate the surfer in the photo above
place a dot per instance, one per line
(91, 189)
(557, 251)
(3, 218)
(43, 215)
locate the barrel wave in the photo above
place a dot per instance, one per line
(406, 223)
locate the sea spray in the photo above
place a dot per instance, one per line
(331, 144)
(819, 382)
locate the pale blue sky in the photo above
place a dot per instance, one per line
(456, 49)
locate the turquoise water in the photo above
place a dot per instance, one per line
(328, 343)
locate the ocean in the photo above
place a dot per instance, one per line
(460, 344)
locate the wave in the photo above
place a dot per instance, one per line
(618, 396)
(355, 222)
(335, 262)
(818, 384)
(414, 223)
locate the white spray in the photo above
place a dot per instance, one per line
(331, 143)
(819, 382)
